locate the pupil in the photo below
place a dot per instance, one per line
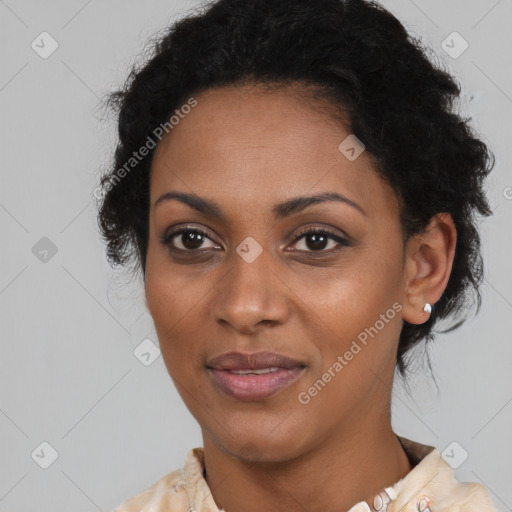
(191, 240)
(319, 241)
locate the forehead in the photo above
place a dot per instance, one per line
(237, 115)
(258, 146)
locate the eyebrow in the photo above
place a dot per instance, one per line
(279, 210)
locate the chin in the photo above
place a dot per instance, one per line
(258, 445)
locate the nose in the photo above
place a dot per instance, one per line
(250, 295)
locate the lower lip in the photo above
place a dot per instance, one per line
(252, 386)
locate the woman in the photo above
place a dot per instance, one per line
(302, 202)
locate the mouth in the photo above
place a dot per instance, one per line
(256, 376)
(261, 371)
(254, 384)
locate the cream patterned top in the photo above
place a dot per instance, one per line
(429, 487)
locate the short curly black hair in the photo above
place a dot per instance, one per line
(356, 55)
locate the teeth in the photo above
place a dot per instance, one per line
(257, 372)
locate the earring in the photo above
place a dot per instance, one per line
(427, 308)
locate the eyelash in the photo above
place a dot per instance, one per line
(167, 239)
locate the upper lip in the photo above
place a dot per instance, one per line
(252, 361)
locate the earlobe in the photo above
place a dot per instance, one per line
(428, 267)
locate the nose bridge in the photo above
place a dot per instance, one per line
(249, 292)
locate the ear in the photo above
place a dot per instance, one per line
(428, 265)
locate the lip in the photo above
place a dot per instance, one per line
(254, 387)
(250, 386)
(252, 361)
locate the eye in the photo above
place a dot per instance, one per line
(317, 240)
(192, 239)
(187, 239)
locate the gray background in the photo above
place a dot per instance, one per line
(70, 324)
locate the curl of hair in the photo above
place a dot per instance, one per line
(358, 57)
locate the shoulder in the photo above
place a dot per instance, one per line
(172, 491)
(431, 484)
(167, 494)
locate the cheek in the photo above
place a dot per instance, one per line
(170, 296)
(174, 309)
(351, 297)
(175, 316)
(358, 310)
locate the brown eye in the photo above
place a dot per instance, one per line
(317, 240)
(191, 240)
(186, 239)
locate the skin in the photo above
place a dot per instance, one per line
(247, 150)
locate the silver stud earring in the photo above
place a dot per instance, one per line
(427, 308)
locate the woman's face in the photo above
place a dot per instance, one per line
(247, 277)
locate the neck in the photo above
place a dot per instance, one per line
(332, 477)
